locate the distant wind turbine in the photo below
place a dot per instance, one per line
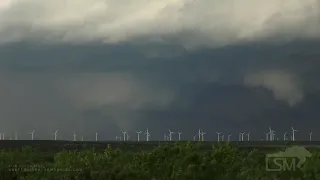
(179, 135)
(310, 136)
(222, 138)
(74, 136)
(293, 131)
(82, 138)
(199, 135)
(32, 134)
(248, 135)
(202, 135)
(267, 136)
(229, 136)
(242, 134)
(56, 134)
(170, 135)
(285, 136)
(124, 135)
(97, 136)
(148, 135)
(218, 133)
(138, 135)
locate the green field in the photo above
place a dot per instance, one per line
(149, 161)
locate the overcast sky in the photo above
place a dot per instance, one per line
(105, 65)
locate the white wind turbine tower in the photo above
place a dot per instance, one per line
(32, 134)
(222, 138)
(170, 135)
(118, 138)
(179, 135)
(202, 135)
(74, 136)
(56, 134)
(310, 136)
(194, 137)
(270, 134)
(273, 135)
(293, 131)
(242, 134)
(82, 138)
(97, 136)
(285, 136)
(128, 137)
(147, 135)
(248, 135)
(267, 134)
(199, 135)
(124, 135)
(218, 133)
(229, 136)
(1, 136)
(138, 135)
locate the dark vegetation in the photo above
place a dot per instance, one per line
(146, 161)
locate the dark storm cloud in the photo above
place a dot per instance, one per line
(104, 88)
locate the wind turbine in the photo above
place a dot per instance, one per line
(32, 134)
(74, 136)
(179, 134)
(165, 137)
(218, 133)
(170, 135)
(147, 135)
(118, 138)
(194, 137)
(124, 135)
(310, 136)
(242, 134)
(270, 133)
(285, 136)
(202, 135)
(138, 135)
(82, 138)
(199, 135)
(293, 131)
(222, 137)
(3, 136)
(55, 134)
(267, 136)
(248, 135)
(229, 136)
(128, 137)
(97, 136)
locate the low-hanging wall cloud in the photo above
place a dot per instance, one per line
(106, 65)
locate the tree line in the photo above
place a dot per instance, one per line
(180, 161)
